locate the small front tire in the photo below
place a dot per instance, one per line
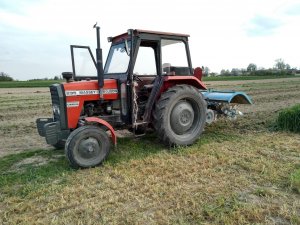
(87, 146)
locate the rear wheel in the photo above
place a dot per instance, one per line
(87, 146)
(180, 115)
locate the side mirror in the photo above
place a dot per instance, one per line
(68, 76)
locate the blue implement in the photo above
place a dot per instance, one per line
(227, 97)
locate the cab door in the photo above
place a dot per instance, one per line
(83, 63)
(145, 72)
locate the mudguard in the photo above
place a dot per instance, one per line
(227, 97)
(106, 124)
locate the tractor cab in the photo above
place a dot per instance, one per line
(139, 60)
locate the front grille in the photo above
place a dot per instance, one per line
(55, 103)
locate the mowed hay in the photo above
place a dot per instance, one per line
(239, 172)
(238, 180)
(289, 119)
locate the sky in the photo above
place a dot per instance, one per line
(35, 34)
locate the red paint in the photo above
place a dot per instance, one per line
(103, 122)
(73, 113)
(136, 32)
(120, 37)
(161, 33)
(198, 73)
(170, 81)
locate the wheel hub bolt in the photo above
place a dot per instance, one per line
(90, 149)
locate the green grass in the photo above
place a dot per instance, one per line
(222, 208)
(128, 149)
(28, 84)
(289, 119)
(295, 180)
(142, 180)
(143, 147)
(28, 176)
(238, 172)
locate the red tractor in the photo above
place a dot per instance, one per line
(147, 81)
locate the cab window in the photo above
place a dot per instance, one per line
(174, 57)
(145, 62)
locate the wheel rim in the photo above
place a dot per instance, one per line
(89, 151)
(210, 116)
(183, 117)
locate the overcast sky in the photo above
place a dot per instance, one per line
(35, 34)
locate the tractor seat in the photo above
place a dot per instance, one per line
(166, 67)
(175, 70)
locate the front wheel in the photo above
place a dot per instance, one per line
(87, 146)
(180, 115)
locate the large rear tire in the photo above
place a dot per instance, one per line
(87, 146)
(180, 115)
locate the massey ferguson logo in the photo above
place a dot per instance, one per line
(88, 92)
(91, 92)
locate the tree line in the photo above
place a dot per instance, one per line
(6, 77)
(279, 68)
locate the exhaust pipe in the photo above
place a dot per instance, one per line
(100, 72)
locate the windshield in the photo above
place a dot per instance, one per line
(118, 59)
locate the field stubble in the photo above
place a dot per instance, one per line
(19, 108)
(239, 172)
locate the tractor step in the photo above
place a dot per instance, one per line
(139, 123)
(140, 129)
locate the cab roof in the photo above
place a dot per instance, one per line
(161, 33)
(138, 32)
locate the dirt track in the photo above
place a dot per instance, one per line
(20, 107)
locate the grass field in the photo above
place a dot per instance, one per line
(46, 83)
(27, 84)
(238, 172)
